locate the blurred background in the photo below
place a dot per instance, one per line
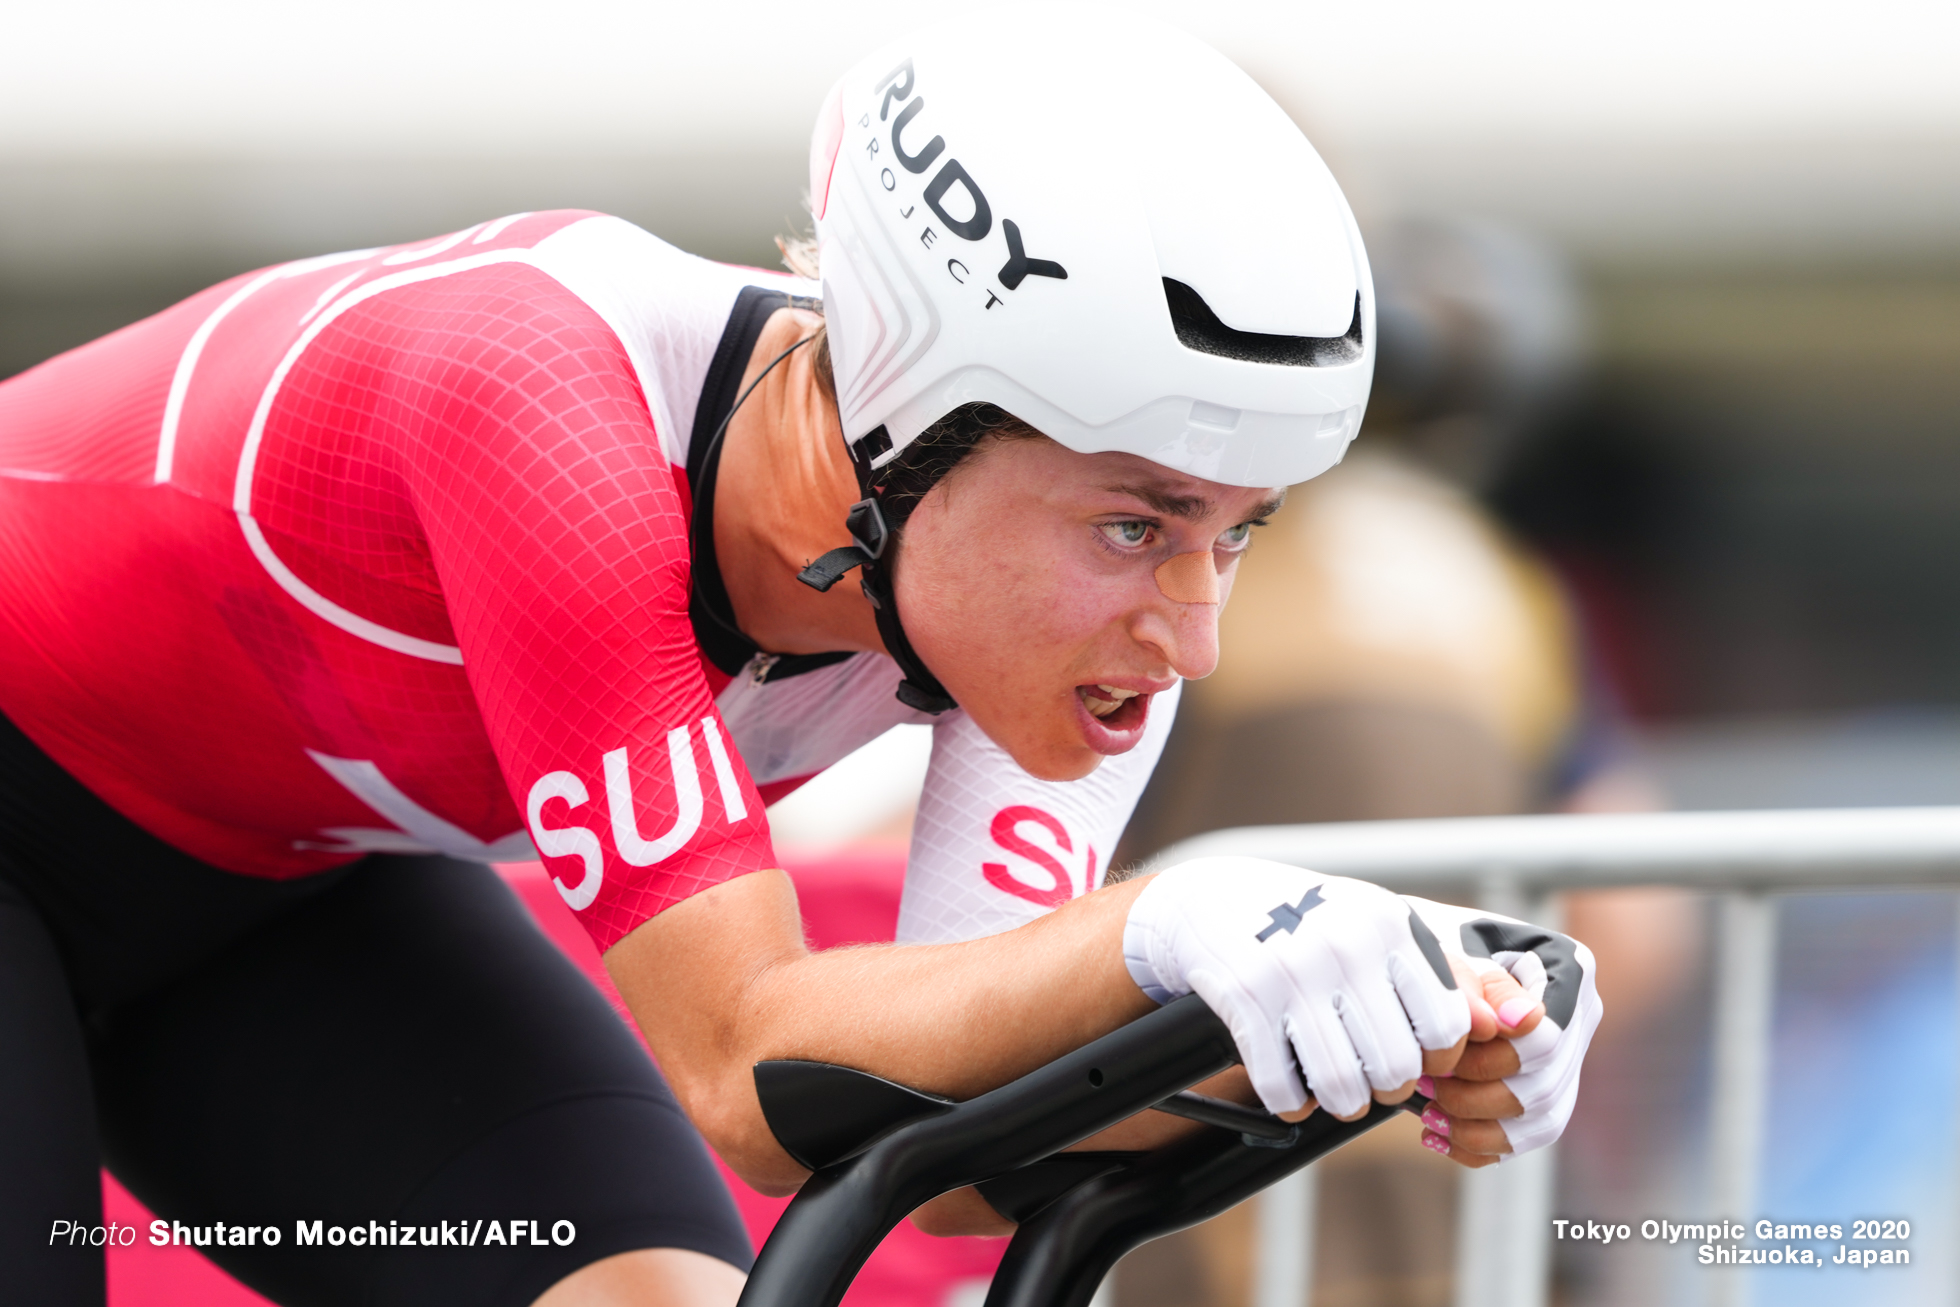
(1658, 502)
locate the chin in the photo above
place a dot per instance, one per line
(1060, 765)
(1056, 745)
(1061, 753)
(1050, 756)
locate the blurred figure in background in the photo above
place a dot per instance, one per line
(1394, 653)
(1404, 657)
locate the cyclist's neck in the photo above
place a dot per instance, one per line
(781, 493)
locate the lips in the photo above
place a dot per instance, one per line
(1111, 718)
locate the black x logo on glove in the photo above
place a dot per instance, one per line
(1287, 916)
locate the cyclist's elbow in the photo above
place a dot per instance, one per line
(724, 1109)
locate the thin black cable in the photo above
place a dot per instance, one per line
(712, 458)
(920, 688)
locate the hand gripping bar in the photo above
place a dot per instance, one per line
(847, 1207)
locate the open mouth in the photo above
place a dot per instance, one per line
(1116, 709)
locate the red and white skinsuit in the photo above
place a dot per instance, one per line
(388, 551)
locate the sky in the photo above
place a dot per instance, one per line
(89, 76)
(1719, 125)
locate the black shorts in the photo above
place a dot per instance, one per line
(391, 1044)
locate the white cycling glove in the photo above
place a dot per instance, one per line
(1557, 971)
(1337, 972)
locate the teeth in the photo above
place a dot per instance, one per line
(1104, 707)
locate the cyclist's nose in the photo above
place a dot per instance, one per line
(1190, 578)
(1181, 626)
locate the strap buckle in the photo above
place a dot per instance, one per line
(870, 536)
(866, 523)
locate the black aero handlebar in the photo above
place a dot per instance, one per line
(878, 1151)
(1060, 1255)
(847, 1207)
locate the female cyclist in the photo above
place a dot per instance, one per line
(341, 579)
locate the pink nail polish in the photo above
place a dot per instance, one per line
(1515, 1011)
(1436, 1143)
(1426, 1087)
(1433, 1118)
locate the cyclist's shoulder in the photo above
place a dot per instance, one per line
(624, 273)
(668, 307)
(613, 263)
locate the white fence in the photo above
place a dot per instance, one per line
(1516, 865)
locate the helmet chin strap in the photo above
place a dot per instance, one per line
(872, 551)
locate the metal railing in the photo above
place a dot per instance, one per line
(1515, 866)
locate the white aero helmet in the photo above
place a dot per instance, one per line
(1101, 225)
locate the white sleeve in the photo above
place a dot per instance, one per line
(994, 848)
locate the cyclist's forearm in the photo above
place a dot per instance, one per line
(723, 981)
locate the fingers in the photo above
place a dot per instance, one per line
(1548, 1101)
(1377, 1025)
(1444, 1061)
(961, 1211)
(1492, 1061)
(1439, 1016)
(1399, 1094)
(1516, 1012)
(1267, 1057)
(1441, 1144)
(1518, 1077)
(1464, 1119)
(1539, 1046)
(1490, 1100)
(1466, 1133)
(1548, 1084)
(1294, 1118)
(1483, 1017)
(1334, 1070)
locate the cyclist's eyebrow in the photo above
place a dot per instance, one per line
(1189, 507)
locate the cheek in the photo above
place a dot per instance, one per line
(1226, 575)
(1017, 618)
(1060, 604)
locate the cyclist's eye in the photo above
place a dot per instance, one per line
(1126, 533)
(1234, 536)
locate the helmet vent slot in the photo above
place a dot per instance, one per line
(1198, 328)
